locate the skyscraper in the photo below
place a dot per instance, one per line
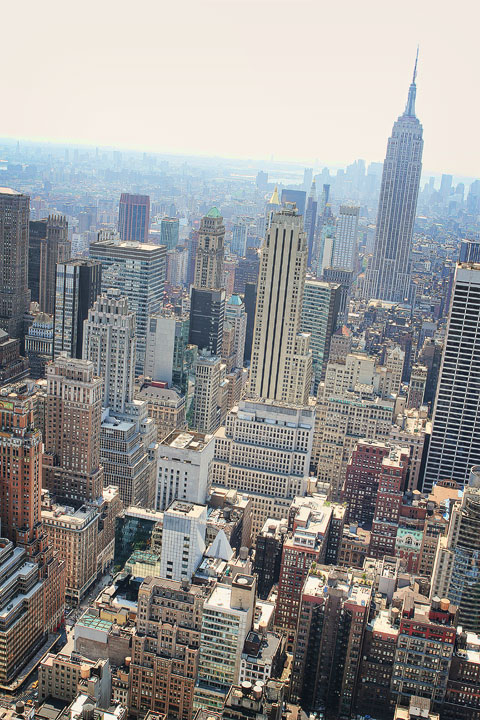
(210, 252)
(457, 565)
(48, 245)
(20, 482)
(320, 308)
(454, 446)
(207, 299)
(281, 366)
(78, 283)
(71, 461)
(126, 431)
(134, 217)
(14, 292)
(311, 220)
(207, 315)
(389, 271)
(109, 343)
(236, 316)
(345, 246)
(238, 245)
(169, 230)
(138, 271)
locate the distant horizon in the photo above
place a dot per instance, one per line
(262, 162)
(296, 79)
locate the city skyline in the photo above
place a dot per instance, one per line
(362, 80)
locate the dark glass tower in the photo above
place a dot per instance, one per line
(134, 217)
(389, 271)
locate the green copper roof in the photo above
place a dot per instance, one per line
(214, 213)
(235, 300)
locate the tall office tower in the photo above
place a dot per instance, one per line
(238, 244)
(209, 401)
(71, 461)
(183, 540)
(236, 317)
(127, 434)
(207, 299)
(250, 302)
(48, 245)
(207, 315)
(457, 564)
(228, 606)
(453, 446)
(416, 388)
(166, 646)
(420, 666)
(389, 271)
(391, 486)
(138, 271)
(20, 483)
(281, 366)
(169, 232)
(305, 546)
(78, 284)
(311, 220)
(268, 555)
(134, 217)
(361, 480)
(332, 616)
(39, 344)
(210, 252)
(345, 250)
(446, 186)
(14, 292)
(109, 343)
(276, 467)
(320, 307)
(168, 354)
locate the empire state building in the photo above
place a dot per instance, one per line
(389, 271)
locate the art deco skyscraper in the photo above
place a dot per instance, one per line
(134, 217)
(389, 272)
(281, 366)
(454, 446)
(207, 301)
(14, 292)
(210, 252)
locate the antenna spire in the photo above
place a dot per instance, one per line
(412, 92)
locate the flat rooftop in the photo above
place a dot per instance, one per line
(183, 440)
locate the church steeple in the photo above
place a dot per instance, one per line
(412, 93)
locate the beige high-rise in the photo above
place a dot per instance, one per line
(71, 461)
(209, 261)
(281, 366)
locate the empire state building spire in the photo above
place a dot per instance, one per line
(389, 269)
(412, 92)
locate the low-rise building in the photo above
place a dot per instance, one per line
(63, 676)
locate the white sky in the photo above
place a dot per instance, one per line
(301, 80)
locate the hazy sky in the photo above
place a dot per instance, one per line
(301, 80)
